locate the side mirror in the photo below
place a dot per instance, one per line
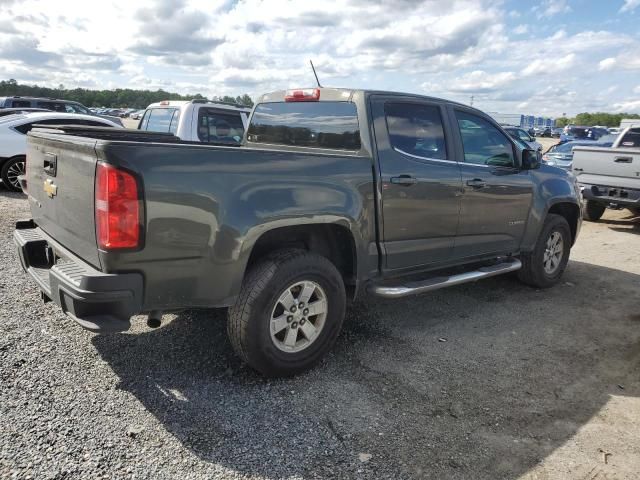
(531, 159)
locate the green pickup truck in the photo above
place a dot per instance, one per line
(332, 193)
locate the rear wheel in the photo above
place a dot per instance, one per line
(593, 211)
(544, 266)
(288, 314)
(11, 170)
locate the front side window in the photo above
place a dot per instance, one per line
(416, 129)
(331, 125)
(483, 143)
(74, 108)
(220, 126)
(159, 120)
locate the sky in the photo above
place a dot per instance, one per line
(542, 57)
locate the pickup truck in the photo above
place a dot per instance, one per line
(609, 177)
(334, 192)
(197, 120)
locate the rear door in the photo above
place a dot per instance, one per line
(497, 193)
(420, 180)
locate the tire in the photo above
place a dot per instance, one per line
(251, 326)
(593, 211)
(9, 172)
(534, 264)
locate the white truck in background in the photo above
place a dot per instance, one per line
(197, 120)
(609, 177)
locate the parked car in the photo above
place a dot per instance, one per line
(137, 115)
(13, 138)
(333, 192)
(531, 131)
(561, 154)
(52, 104)
(197, 120)
(520, 133)
(614, 130)
(609, 177)
(544, 132)
(557, 132)
(582, 133)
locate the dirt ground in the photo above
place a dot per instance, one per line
(486, 381)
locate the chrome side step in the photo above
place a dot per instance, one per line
(435, 283)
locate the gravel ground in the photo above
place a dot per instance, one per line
(487, 381)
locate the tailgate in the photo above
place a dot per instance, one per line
(60, 186)
(616, 167)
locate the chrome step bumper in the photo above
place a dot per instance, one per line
(434, 283)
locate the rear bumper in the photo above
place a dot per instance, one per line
(622, 197)
(98, 301)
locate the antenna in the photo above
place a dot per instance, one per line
(315, 74)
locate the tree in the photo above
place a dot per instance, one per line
(119, 97)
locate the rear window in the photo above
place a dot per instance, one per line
(219, 126)
(161, 120)
(631, 139)
(332, 125)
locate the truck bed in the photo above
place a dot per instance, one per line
(202, 205)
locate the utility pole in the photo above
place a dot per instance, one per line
(472, 100)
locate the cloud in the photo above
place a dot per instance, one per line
(521, 29)
(480, 81)
(631, 106)
(629, 5)
(637, 89)
(550, 8)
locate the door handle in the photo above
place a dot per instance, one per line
(404, 180)
(476, 183)
(623, 159)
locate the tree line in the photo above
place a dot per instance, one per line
(598, 118)
(116, 98)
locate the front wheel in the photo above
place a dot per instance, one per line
(11, 170)
(288, 314)
(544, 266)
(593, 211)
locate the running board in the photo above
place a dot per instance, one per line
(435, 283)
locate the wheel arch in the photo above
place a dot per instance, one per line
(334, 241)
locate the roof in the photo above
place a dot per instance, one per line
(203, 101)
(344, 94)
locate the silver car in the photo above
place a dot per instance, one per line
(561, 155)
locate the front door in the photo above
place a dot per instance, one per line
(497, 193)
(420, 181)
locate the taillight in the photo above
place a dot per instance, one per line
(117, 208)
(304, 95)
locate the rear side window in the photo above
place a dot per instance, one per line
(21, 104)
(56, 107)
(219, 126)
(631, 139)
(483, 143)
(332, 125)
(158, 120)
(416, 129)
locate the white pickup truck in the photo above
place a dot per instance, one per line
(609, 177)
(197, 120)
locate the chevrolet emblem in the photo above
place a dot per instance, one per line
(50, 188)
